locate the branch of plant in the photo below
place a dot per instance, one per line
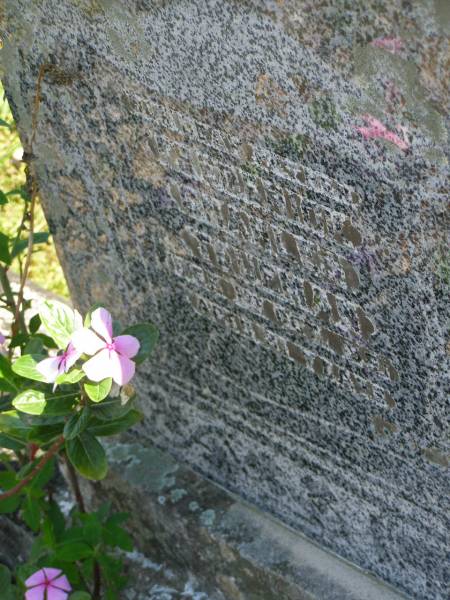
(75, 485)
(51, 452)
(6, 286)
(31, 177)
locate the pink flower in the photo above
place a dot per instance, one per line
(112, 355)
(47, 584)
(51, 367)
(2, 339)
(376, 129)
(391, 44)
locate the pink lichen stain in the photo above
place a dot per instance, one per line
(376, 129)
(391, 44)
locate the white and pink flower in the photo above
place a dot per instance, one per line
(47, 584)
(111, 356)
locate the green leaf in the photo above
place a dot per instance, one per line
(44, 476)
(80, 596)
(21, 245)
(110, 409)
(11, 423)
(34, 345)
(59, 321)
(77, 423)
(7, 375)
(56, 520)
(4, 123)
(31, 402)
(92, 533)
(147, 334)
(88, 456)
(6, 587)
(70, 551)
(25, 366)
(3, 198)
(98, 391)
(7, 481)
(101, 428)
(73, 376)
(35, 323)
(11, 442)
(5, 255)
(116, 537)
(34, 402)
(31, 513)
(44, 434)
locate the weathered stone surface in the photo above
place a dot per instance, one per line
(201, 166)
(190, 530)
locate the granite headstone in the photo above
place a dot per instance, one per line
(265, 179)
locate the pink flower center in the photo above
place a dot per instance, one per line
(110, 346)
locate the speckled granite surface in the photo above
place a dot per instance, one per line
(267, 181)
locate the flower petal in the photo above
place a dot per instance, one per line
(86, 341)
(52, 573)
(72, 355)
(36, 579)
(101, 322)
(100, 366)
(123, 368)
(36, 593)
(127, 345)
(49, 368)
(62, 583)
(56, 594)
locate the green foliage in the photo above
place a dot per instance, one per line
(69, 414)
(98, 391)
(59, 321)
(87, 455)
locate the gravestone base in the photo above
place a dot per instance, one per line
(188, 525)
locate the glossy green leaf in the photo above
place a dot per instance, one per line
(147, 334)
(101, 428)
(110, 409)
(34, 402)
(80, 596)
(3, 198)
(35, 323)
(88, 456)
(98, 391)
(7, 481)
(59, 321)
(11, 442)
(25, 366)
(31, 402)
(45, 434)
(73, 376)
(31, 513)
(7, 375)
(5, 255)
(71, 551)
(77, 423)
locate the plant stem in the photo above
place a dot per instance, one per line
(73, 478)
(97, 581)
(10, 295)
(54, 449)
(75, 485)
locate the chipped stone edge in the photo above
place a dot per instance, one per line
(234, 550)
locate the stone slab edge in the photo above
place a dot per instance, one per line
(235, 551)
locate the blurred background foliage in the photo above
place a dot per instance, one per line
(45, 269)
